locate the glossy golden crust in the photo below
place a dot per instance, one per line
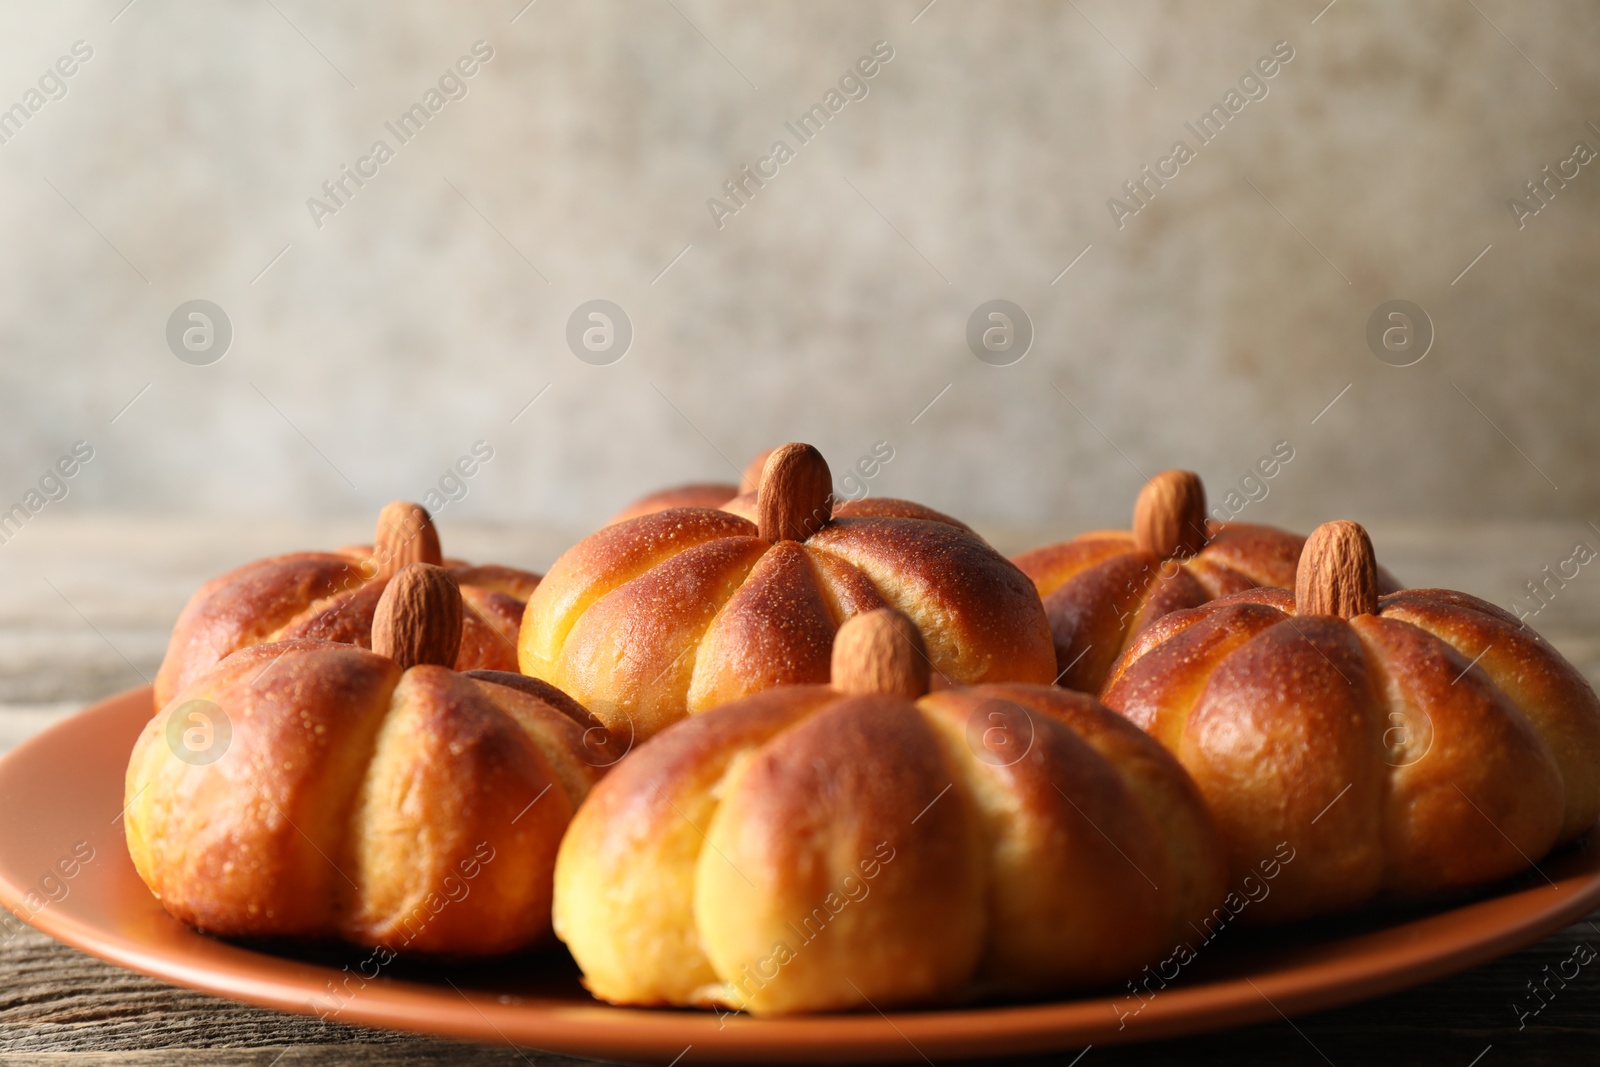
(1100, 591)
(885, 507)
(611, 558)
(681, 611)
(775, 629)
(869, 507)
(630, 657)
(625, 876)
(978, 613)
(1430, 747)
(1179, 829)
(330, 596)
(1539, 681)
(419, 811)
(804, 850)
(797, 818)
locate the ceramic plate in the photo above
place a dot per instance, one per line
(61, 801)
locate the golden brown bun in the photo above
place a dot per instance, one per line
(805, 850)
(1432, 745)
(416, 810)
(1101, 589)
(683, 610)
(330, 596)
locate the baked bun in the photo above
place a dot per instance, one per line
(1103, 588)
(814, 848)
(680, 611)
(1403, 745)
(315, 790)
(331, 596)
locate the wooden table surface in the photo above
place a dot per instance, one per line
(85, 605)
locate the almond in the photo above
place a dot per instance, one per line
(1338, 572)
(1169, 518)
(880, 651)
(418, 619)
(796, 495)
(405, 535)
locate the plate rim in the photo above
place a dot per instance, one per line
(639, 1034)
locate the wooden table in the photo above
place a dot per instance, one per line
(84, 609)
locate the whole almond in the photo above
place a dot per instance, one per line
(418, 619)
(405, 535)
(1169, 517)
(796, 495)
(1337, 573)
(880, 651)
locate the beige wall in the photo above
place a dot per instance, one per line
(1217, 322)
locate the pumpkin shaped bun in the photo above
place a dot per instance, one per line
(817, 848)
(683, 610)
(375, 797)
(1404, 745)
(1103, 588)
(332, 596)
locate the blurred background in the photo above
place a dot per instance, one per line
(359, 339)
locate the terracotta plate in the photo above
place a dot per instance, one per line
(61, 796)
